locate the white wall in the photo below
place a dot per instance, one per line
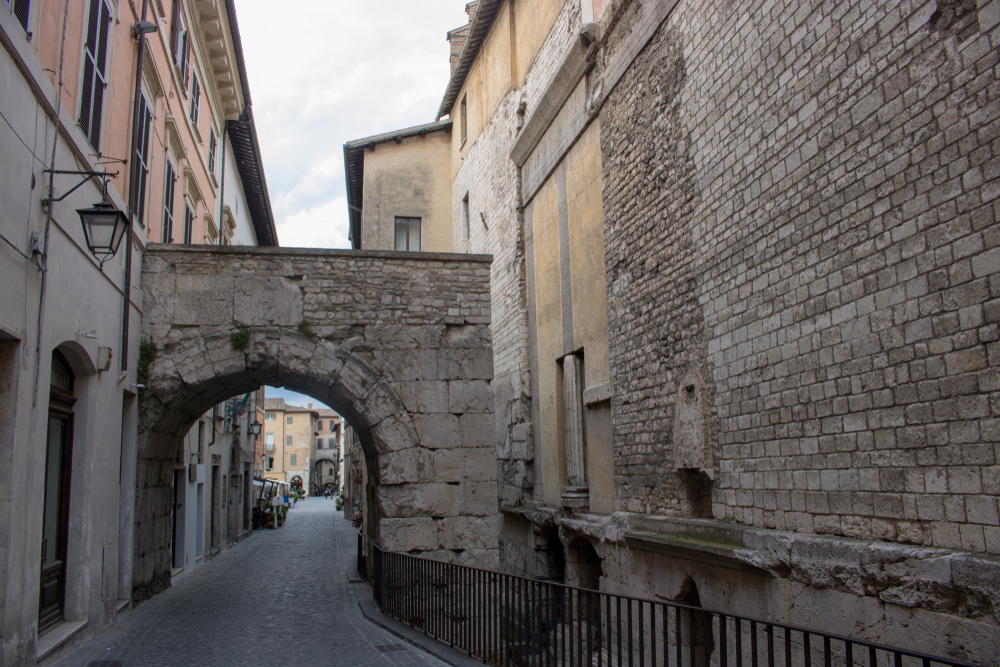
(236, 200)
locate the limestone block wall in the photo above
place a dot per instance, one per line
(801, 205)
(397, 343)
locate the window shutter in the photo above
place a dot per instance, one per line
(94, 75)
(140, 163)
(22, 12)
(175, 30)
(186, 58)
(211, 151)
(168, 205)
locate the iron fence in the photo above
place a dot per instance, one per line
(513, 621)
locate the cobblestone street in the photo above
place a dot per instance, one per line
(279, 598)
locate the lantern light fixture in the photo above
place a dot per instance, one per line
(104, 226)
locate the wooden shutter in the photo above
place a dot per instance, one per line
(211, 151)
(168, 205)
(94, 71)
(140, 162)
(175, 30)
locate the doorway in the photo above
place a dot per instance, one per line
(217, 505)
(55, 515)
(177, 559)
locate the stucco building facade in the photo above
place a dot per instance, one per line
(742, 302)
(83, 92)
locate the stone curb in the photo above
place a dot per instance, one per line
(439, 650)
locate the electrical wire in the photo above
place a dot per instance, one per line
(48, 216)
(30, 149)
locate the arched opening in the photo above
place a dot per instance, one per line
(56, 510)
(696, 638)
(404, 493)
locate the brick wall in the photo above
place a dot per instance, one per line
(800, 204)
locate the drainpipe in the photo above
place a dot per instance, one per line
(133, 193)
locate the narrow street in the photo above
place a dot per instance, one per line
(280, 598)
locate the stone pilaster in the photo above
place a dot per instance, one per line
(576, 494)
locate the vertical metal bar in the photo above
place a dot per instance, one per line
(693, 639)
(723, 649)
(897, 659)
(738, 635)
(618, 627)
(590, 630)
(788, 648)
(642, 637)
(707, 616)
(872, 658)
(652, 633)
(769, 629)
(827, 658)
(848, 653)
(753, 644)
(630, 631)
(807, 651)
(677, 635)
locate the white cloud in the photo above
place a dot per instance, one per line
(329, 72)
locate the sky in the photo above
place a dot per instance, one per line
(329, 72)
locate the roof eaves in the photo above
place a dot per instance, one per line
(479, 26)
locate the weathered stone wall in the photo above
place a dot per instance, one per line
(801, 205)
(397, 343)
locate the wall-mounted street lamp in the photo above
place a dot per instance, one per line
(103, 224)
(255, 428)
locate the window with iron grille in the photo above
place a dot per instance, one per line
(95, 59)
(211, 151)
(408, 234)
(21, 9)
(188, 224)
(140, 164)
(195, 99)
(168, 204)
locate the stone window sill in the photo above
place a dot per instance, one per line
(56, 637)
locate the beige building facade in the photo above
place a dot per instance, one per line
(289, 442)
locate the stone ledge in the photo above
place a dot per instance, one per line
(701, 540)
(320, 252)
(56, 637)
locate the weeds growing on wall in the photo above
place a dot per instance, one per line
(147, 352)
(240, 339)
(306, 330)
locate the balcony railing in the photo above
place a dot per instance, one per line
(513, 621)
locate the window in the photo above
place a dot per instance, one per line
(195, 99)
(269, 415)
(319, 425)
(288, 441)
(319, 443)
(21, 9)
(211, 151)
(465, 217)
(291, 459)
(331, 472)
(188, 223)
(464, 120)
(289, 420)
(168, 205)
(408, 234)
(201, 441)
(180, 41)
(270, 463)
(269, 442)
(95, 59)
(140, 163)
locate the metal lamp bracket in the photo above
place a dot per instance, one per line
(87, 175)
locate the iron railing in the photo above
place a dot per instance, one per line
(513, 621)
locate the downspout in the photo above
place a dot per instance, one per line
(132, 196)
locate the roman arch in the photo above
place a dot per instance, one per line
(397, 343)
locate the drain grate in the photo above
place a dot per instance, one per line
(389, 648)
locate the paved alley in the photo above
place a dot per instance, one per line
(279, 598)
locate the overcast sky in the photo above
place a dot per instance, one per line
(324, 72)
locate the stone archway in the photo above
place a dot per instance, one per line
(399, 346)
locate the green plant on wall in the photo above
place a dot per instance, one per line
(147, 352)
(240, 339)
(306, 330)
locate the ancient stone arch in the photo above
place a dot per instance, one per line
(397, 343)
